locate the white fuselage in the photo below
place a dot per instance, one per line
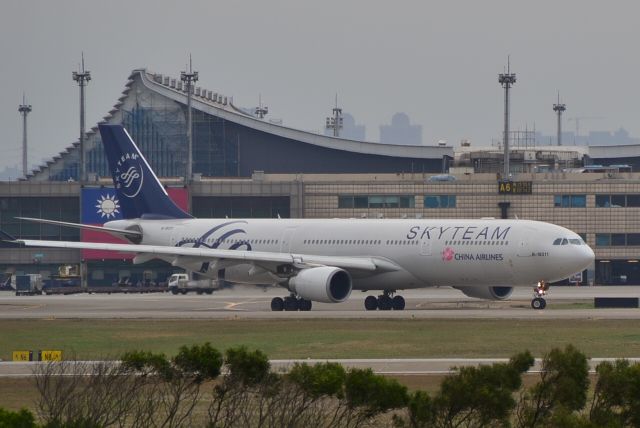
(428, 252)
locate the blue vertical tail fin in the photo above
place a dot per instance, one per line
(140, 192)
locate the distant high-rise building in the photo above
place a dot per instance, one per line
(349, 129)
(401, 131)
(620, 137)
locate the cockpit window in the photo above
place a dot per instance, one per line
(565, 241)
(557, 241)
(576, 241)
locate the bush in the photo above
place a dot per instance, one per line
(374, 393)
(202, 362)
(320, 379)
(247, 367)
(20, 419)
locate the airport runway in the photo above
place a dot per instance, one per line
(253, 303)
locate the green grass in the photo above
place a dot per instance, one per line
(334, 338)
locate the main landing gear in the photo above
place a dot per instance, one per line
(384, 302)
(291, 303)
(539, 291)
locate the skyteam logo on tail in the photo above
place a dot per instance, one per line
(129, 175)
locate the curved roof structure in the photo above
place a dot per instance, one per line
(228, 141)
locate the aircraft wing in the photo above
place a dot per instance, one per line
(123, 232)
(369, 264)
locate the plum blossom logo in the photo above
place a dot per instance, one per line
(447, 254)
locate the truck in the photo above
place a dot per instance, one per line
(65, 281)
(27, 285)
(180, 283)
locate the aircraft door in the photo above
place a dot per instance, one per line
(425, 247)
(286, 240)
(176, 235)
(524, 246)
(524, 249)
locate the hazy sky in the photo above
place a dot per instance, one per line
(435, 60)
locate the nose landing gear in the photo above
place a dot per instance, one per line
(539, 291)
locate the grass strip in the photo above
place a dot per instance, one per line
(325, 338)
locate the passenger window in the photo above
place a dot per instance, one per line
(557, 241)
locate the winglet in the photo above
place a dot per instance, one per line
(8, 241)
(4, 236)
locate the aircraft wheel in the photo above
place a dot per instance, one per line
(384, 303)
(371, 303)
(398, 303)
(290, 304)
(538, 303)
(277, 304)
(304, 305)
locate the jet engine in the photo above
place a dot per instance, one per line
(325, 284)
(487, 293)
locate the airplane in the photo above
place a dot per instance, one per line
(324, 260)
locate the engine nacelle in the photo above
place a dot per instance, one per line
(325, 284)
(487, 293)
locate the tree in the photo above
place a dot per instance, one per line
(421, 412)
(480, 396)
(75, 393)
(173, 386)
(616, 398)
(563, 385)
(245, 394)
(367, 395)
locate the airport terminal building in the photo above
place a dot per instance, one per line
(245, 166)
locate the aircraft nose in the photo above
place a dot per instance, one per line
(585, 257)
(590, 256)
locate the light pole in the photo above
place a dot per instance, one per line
(559, 108)
(24, 110)
(336, 121)
(189, 78)
(506, 80)
(261, 111)
(82, 77)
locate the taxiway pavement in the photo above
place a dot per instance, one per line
(254, 303)
(388, 366)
